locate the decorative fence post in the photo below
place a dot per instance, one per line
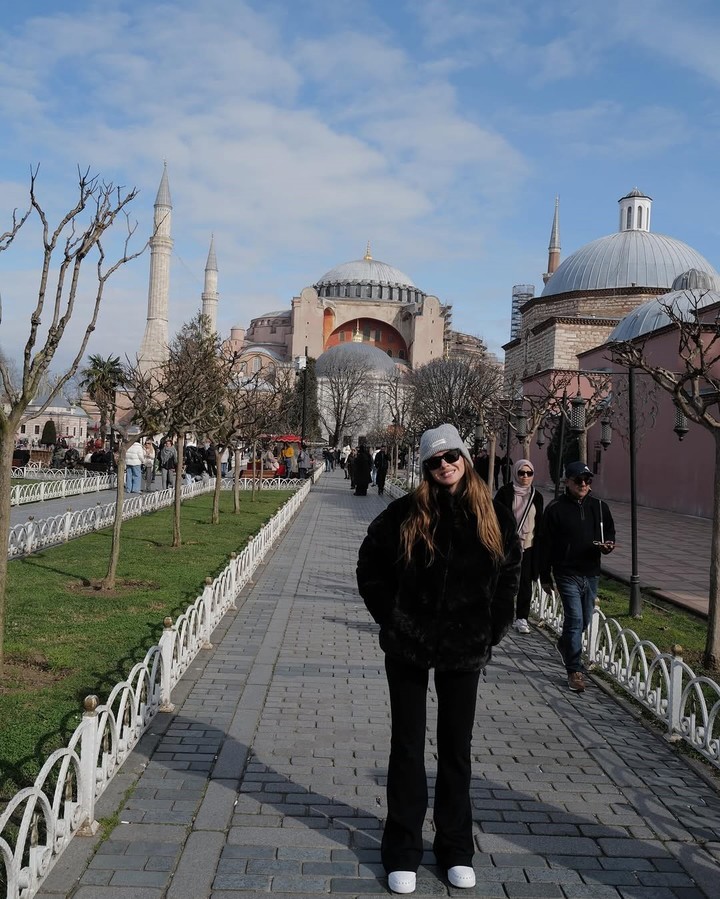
(89, 748)
(207, 615)
(167, 643)
(233, 582)
(594, 632)
(66, 525)
(675, 689)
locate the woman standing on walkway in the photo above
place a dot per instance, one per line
(438, 571)
(526, 504)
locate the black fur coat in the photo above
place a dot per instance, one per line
(448, 613)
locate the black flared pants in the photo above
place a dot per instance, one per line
(407, 791)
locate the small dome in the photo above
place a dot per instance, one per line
(361, 354)
(693, 279)
(652, 316)
(628, 259)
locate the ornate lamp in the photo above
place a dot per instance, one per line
(605, 433)
(681, 425)
(577, 413)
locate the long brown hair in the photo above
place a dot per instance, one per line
(475, 497)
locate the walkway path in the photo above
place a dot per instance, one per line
(269, 777)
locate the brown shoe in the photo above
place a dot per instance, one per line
(576, 681)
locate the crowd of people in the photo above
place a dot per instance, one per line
(445, 571)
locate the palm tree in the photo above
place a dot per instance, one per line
(101, 377)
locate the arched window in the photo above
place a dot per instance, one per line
(368, 291)
(380, 292)
(639, 217)
(401, 354)
(346, 291)
(389, 352)
(629, 217)
(357, 290)
(257, 364)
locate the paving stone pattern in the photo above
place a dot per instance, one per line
(269, 777)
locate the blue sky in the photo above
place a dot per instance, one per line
(440, 130)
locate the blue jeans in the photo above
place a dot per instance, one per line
(133, 478)
(577, 593)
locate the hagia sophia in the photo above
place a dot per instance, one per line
(612, 288)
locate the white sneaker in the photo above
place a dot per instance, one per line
(461, 876)
(521, 626)
(402, 881)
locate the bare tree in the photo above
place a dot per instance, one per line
(456, 391)
(65, 247)
(695, 389)
(343, 392)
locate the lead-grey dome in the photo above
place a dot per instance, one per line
(631, 258)
(692, 291)
(368, 279)
(348, 354)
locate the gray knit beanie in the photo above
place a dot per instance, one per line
(444, 437)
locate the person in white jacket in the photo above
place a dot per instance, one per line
(134, 460)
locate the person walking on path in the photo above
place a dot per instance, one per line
(168, 463)
(438, 571)
(576, 529)
(148, 469)
(382, 463)
(134, 460)
(526, 504)
(362, 469)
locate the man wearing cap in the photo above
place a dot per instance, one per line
(577, 528)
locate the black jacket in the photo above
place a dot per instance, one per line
(447, 613)
(569, 528)
(505, 496)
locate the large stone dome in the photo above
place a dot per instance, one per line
(367, 279)
(627, 259)
(349, 354)
(692, 290)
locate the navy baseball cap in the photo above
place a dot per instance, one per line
(577, 469)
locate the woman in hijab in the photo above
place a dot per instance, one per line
(526, 504)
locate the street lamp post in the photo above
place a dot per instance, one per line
(301, 363)
(635, 598)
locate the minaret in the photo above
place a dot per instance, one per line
(210, 294)
(154, 348)
(554, 248)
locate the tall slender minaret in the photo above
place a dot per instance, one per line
(554, 248)
(154, 347)
(210, 294)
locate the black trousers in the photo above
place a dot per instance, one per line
(407, 791)
(524, 594)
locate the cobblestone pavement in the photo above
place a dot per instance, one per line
(269, 777)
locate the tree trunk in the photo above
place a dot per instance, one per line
(216, 495)
(7, 443)
(109, 579)
(177, 538)
(712, 645)
(492, 446)
(236, 481)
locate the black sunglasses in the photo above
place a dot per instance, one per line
(525, 474)
(450, 457)
(583, 479)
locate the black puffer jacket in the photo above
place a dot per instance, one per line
(448, 613)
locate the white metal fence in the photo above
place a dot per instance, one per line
(57, 488)
(40, 820)
(37, 533)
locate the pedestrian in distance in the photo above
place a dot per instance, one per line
(577, 529)
(382, 463)
(148, 467)
(134, 461)
(526, 504)
(362, 470)
(438, 571)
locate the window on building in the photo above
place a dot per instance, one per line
(37, 429)
(401, 354)
(390, 293)
(357, 290)
(366, 332)
(256, 364)
(378, 336)
(368, 291)
(629, 217)
(389, 352)
(380, 292)
(22, 429)
(639, 216)
(346, 291)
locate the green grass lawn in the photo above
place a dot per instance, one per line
(64, 641)
(662, 623)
